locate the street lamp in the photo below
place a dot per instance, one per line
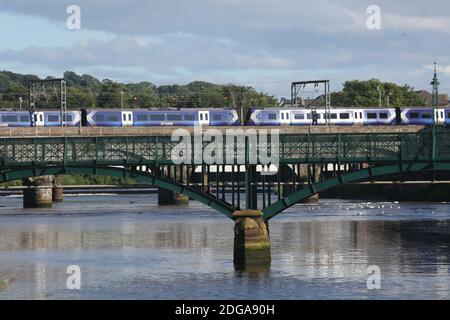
(121, 98)
(435, 100)
(388, 98)
(20, 103)
(379, 95)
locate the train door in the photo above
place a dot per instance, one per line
(285, 117)
(203, 118)
(357, 117)
(127, 118)
(321, 117)
(439, 115)
(38, 119)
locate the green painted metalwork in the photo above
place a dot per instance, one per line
(360, 175)
(382, 153)
(144, 177)
(299, 148)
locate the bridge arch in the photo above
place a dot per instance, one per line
(356, 176)
(144, 177)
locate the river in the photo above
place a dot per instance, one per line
(129, 248)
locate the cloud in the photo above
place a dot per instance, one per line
(265, 42)
(407, 23)
(169, 51)
(439, 68)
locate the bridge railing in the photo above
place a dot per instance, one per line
(426, 145)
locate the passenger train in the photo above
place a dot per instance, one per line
(349, 116)
(226, 117)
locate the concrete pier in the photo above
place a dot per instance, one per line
(38, 193)
(180, 198)
(169, 198)
(57, 190)
(251, 241)
(165, 197)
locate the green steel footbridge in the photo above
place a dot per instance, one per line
(308, 163)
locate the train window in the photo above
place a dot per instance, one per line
(360, 115)
(24, 118)
(383, 115)
(52, 118)
(282, 116)
(217, 117)
(100, 117)
(344, 116)
(426, 115)
(287, 116)
(142, 117)
(9, 118)
(371, 115)
(69, 117)
(333, 116)
(113, 118)
(299, 116)
(157, 117)
(272, 116)
(129, 117)
(189, 117)
(308, 116)
(356, 115)
(201, 116)
(414, 115)
(174, 117)
(124, 117)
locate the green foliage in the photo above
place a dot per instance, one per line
(85, 91)
(81, 180)
(358, 93)
(94, 180)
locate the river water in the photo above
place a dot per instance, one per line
(129, 248)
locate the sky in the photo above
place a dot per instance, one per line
(266, 44)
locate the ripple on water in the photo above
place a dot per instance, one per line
(127, 247)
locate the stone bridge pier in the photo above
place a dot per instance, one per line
(168, 197)
(38, 192)
(42, 191)
(251, 241)
(57, 190)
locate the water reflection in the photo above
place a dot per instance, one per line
(189, 254)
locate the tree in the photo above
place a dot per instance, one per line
(366, 93)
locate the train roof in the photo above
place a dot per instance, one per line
(160, 109)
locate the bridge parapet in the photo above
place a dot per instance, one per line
(292, 149)
(167, 131)
(328, 158)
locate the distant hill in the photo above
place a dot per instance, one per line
(85, 91)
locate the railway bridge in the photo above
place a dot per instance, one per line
(309, 160)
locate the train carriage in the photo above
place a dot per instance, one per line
(422, 116)
(52, 118)
(149, 117)
(15, 118)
